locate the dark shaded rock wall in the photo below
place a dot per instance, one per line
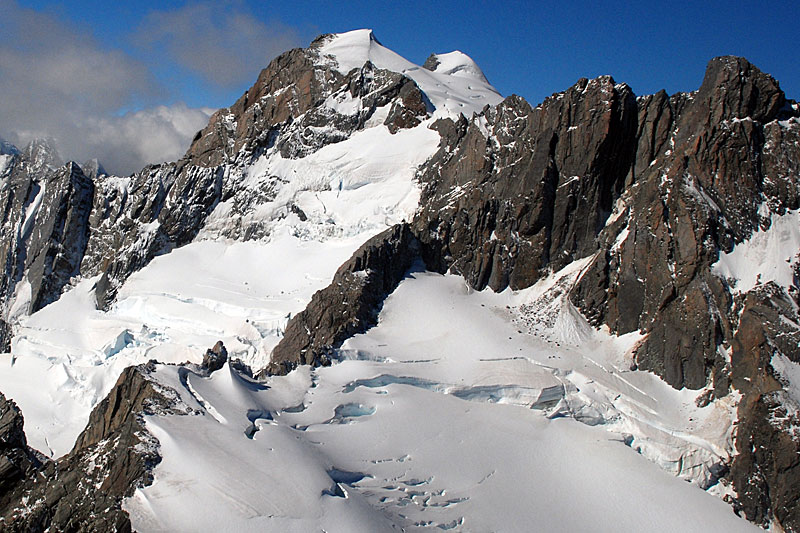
(44, 231)
(17, 460)
(522, 190)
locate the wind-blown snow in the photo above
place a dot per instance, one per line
(68, 355)
(456, 87)
(768, 255)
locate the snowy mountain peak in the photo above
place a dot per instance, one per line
(455, 63)
(42, 152)
(456, 86)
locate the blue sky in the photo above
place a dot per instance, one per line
(205, 54)
(529, 48)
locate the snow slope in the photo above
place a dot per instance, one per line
(768, 255)
(421, 426)
(69, 355)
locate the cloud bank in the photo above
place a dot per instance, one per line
(58, 81)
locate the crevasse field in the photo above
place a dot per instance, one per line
(460, 410)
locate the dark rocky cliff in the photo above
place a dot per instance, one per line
(350, 304)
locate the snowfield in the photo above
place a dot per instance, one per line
(769, 255)
(422, 425)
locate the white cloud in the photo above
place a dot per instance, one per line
(215, 40)
(152, 135)
(58, 81)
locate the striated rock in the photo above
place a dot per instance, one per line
(350, 304)
(43, 236)
(520, 191)
(5, 337)
(696, 191)
(766, 469)
(17, 460)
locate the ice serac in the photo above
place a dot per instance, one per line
(350, 304)
(83, 490)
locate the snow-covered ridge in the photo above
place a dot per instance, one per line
(457, 63)
(457, 86)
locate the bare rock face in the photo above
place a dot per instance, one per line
(350, 304)
(17, 460)
(114, 454)
(5, 337)
(766, 469)
(698, 183)
(294, 95)
(522, 190)
(43, 232)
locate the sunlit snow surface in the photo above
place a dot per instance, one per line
(69, 355)
(768, 255)
(456, 86)
(425, 424)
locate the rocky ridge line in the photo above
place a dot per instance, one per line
(58, 223)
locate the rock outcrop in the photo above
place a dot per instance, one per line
(215, 357)
(83, 490)
(350, 304)
(17, 460)
(5, 337)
